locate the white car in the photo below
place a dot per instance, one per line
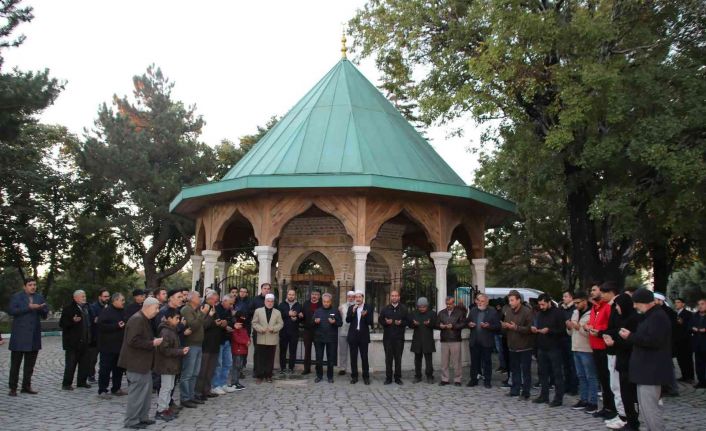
(463, 293)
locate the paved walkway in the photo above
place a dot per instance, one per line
(301, 404)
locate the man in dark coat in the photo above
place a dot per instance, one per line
(423, 321)
(682, 341)
(484, 322)
(137, 357)
(571, 380)
(94, 310)
(75, 324)
(307, 319)
(289, 335)
(111, 329)
(394, 319)
(651, 358)
(26, 308)
(327, 320)
(698, 343)
(550, 329)
(138, 297)
(451, 322)
(360, 319)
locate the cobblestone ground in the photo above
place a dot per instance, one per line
(300, 404)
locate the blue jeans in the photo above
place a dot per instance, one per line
(521, 363)
(190, 367)
(586, 373)
(225, 362)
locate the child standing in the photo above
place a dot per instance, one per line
(239, 342)
(167, 361)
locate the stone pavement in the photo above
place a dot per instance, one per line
(300, 404)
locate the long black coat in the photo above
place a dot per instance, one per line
(393, 331)
(110, 334)
(423, 335)
(366, 322)
(26, 324)
(651, 358)
(75, 335)
(325, 331)
(291, 325)
(484, 336)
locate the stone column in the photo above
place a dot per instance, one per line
(479, 276)
(222, 270)
(209, 271)
(441, 262)
(264, 254)
(361, 256)
(196, 261)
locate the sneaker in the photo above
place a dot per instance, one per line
(616, 423)
(229, 389)
(605, 414)
(218, 391)
(591, 408)
(239, 387)
(580, 405)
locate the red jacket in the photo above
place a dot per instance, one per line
(600, 314)
(239, 340)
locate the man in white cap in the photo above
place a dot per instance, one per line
(343, 334)
(266, 322)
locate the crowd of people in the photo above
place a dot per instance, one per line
(618, 344)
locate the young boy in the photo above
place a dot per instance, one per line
(167, 361)
(239, 342)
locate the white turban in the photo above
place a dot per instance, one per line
(359, 292)
(269, 296)
(350, 293)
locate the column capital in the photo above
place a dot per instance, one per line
(440, 257)
(210, 256)
(196, 259)
(360, 251)
(479, 263)
(265, 251)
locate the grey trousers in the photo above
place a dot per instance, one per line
(451, 358)
(342, 352)
(165, 392)
(139, 397)
(650, 410)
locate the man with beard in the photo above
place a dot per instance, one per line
(75, 324)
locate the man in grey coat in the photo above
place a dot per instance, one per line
(484, 322)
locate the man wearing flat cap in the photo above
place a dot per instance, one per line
(651, 358)
(423, 321)
(138, 297)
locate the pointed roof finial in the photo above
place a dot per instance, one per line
(344, 49)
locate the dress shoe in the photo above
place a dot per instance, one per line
(471, 384)
(188, 404)
(457, 384)
(119, 393)
(430, 380)
(12, 393)
(138, 426)
(417, 380)
(305, 372)
(342, 373)
(29, 391)
(197, 401)
(354, 381)
(388, 381)
(318, 379)
(443, 383)
(330, 380)
(148, 422)
(211, 395)
(555, 403)
(540, 400)
(84, 385)
(398, 381)
(366, 380)
(65, 388)
(91, 379)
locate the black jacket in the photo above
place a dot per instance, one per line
(456, 318)
(291, 324)
(110, 334)
(672, 315)
(553, 318)
(325, 331)
(227, 315)
(308, 321)
(423, 335)
(698, 339)
(483, 336)
(366, 322)
(394, 331)
(75, 335)
(651, 358)
(683, 328)
(211, 335)
(131, 309)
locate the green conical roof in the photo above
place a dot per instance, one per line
(343, 134)
(344, 125)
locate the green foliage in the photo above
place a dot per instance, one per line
(688, 283)
(599, 105)
(138, 157)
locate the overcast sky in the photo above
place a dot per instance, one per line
(239, 62)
